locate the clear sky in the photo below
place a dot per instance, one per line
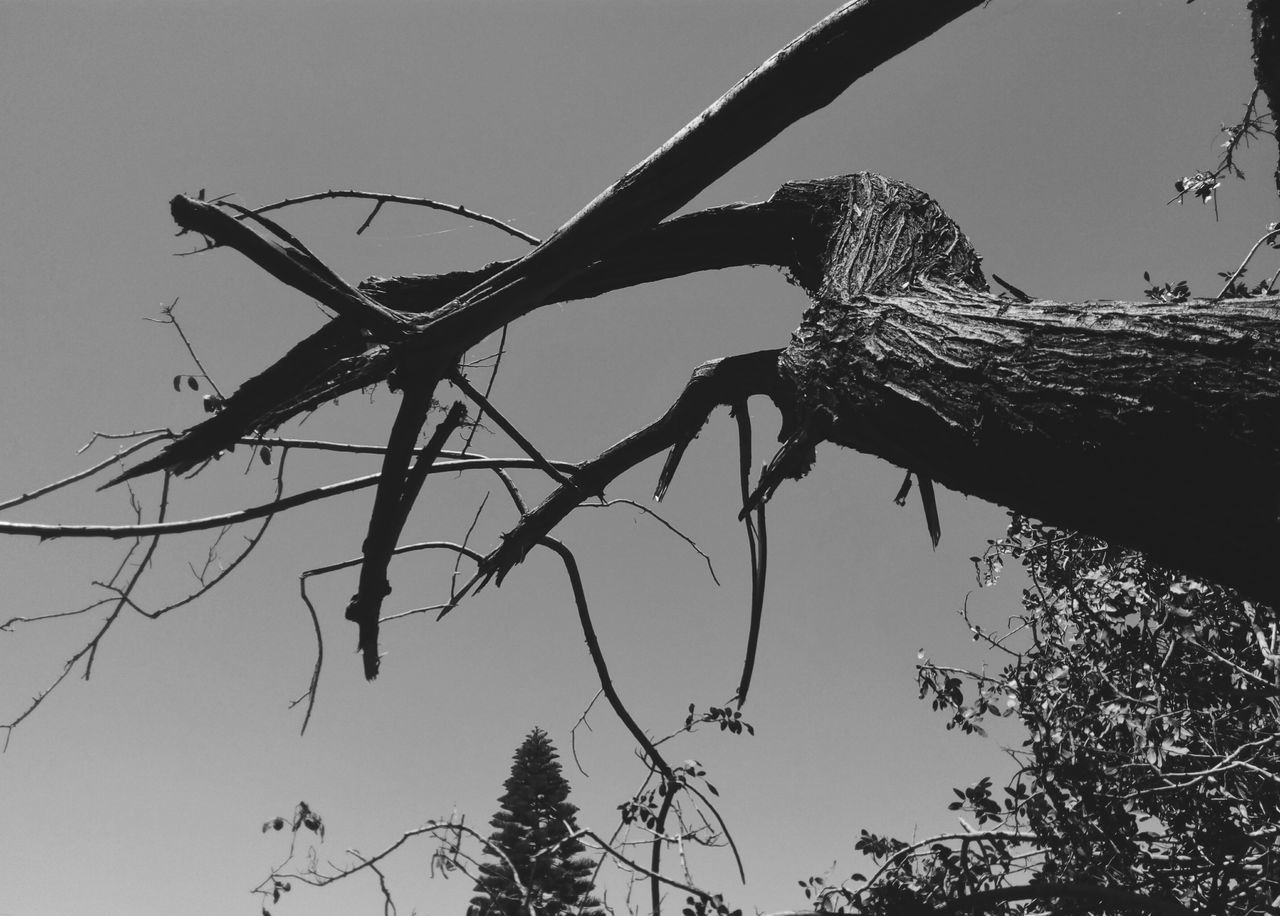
(1051, 130)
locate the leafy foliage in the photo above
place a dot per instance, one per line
(1151, 766)
(534, 830)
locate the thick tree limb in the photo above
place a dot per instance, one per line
(1153, 425)
(801, 78)
(339, 358)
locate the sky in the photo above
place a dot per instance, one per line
(1051, 131)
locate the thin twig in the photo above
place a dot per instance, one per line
(166, 314)
(117, 532)
(724, 829)
(251, 543)
(456, 209)
(152, 436)
(460, 380)
(597, 657)
(642, 508)
(1245, 263)
(310, 695)
(466, 539)
(636, 866)
(89, 650)
(573, 732)
(488, 388)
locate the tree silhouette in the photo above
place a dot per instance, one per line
(1151, 425)
(543, 871)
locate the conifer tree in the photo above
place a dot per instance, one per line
(531, 829)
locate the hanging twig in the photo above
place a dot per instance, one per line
(755, 549)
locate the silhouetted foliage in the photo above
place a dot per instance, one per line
(1151, 765)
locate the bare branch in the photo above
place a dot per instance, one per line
(656, 516)
(488, 388)
(288, 263)
(310, 695)
(167, 317)
(151, 436)
(655, 759)
(381, 199)
(116, 532)
(717, 382)
(89, 650)
(398, 487)
(460, 380)
(798, 80)
(1235, 275)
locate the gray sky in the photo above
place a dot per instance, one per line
(1051, 131)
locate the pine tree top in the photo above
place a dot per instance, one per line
(532, 828)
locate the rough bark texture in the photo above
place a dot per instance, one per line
(1156, 426)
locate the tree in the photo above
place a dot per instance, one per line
(542, 870)
(1148, 777)
(1011, 414)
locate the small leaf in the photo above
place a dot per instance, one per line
(192, 383)
(177, 383)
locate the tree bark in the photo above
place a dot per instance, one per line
(1153, 425)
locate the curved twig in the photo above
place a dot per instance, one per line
(118, 532)
(89, 650)
(656, 516)
(724, 829)
(456, 209)
(1235, 275)
(712, 384)
(597, 657)
(151, 436)
(251, 543)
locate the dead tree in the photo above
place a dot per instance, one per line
(1153, 425)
